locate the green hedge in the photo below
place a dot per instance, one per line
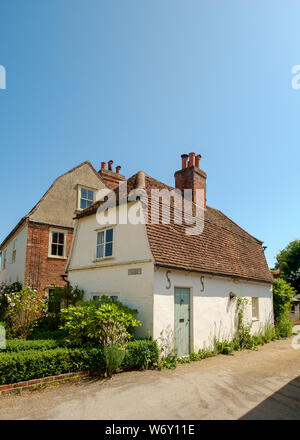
(34, 364)
(140, 353)
(15, 345)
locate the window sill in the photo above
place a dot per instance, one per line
(255, 319)
(98, 260)
(55, 257)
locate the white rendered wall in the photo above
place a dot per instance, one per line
(15, 271)
(212, 314)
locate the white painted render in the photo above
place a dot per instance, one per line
(212, 313)
(110, 275)
(15, 271)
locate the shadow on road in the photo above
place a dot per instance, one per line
(282, 405)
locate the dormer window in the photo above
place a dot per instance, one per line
(86, 197)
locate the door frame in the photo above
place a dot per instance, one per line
(191, 315)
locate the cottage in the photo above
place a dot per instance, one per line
(187, 283)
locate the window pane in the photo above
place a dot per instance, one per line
(96, 298)
(82, 204)
(89, 203)
(61, 238)
(100, 251)
(83, 193)
(108, 249)
(54, 249)
(60, 250)
(100, 237)
(54, 237)
(90, 195)
(109, 235)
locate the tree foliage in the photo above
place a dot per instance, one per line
(289, 262)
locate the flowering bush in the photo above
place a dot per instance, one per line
(7, 289)
(24, 307)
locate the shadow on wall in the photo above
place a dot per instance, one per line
(282, 405)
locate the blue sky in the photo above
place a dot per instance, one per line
(142, 82)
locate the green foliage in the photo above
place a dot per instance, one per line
(66, 296)
(23, 309)
(35, 363)
(41, 333)
(114, 338)
(225, 347)
(113, 356)
(283, 294)
(284, 328)
(86, 322)
(15, 345)
(6, 289)
(289, 261)
(141, 353)
(269, 333)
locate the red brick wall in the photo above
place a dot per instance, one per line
(191, 178)
(42, 271)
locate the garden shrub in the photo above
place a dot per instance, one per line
(33, 364)
(66, 295)
(16, 345)
(6, 289)
(85, 323)
(24, 307)
(141, 354)
(283, 294)
(38, 334)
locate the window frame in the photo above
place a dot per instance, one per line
(14, 251)
(255, 308)
(60, 231)
(79, 198)
(104, 230)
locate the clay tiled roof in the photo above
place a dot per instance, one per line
(223, 248)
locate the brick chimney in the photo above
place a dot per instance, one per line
(111, 178)
(190, 176)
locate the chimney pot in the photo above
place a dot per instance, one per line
(184, 158)
(191, 159)
(197, 160)
(110, 164)
(118, 169)
(103, 165)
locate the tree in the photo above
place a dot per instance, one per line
(289, 262)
